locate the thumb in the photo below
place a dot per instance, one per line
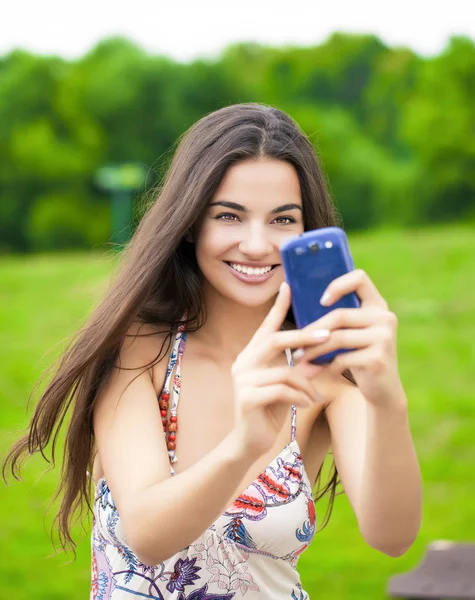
(276, 316)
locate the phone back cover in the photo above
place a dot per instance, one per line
(309, 274)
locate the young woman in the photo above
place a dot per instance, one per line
(201, 435)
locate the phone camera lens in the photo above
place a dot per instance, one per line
(314, 247)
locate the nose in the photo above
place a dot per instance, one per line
(256, 242)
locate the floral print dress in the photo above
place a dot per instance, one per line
(250, 551)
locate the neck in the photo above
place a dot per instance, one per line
(229, 326)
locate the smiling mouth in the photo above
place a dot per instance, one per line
(246, 270)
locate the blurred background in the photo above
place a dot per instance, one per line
(93, 98)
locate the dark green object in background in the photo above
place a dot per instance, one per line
(121, 180)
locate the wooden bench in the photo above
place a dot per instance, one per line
(447, 571)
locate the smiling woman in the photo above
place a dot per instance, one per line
(198, 466)
(242, 243)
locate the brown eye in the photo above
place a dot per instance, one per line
(226, 217)
(288, 220)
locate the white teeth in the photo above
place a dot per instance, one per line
(250, 270)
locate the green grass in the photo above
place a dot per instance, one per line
(428, 278)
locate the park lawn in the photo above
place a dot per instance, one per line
(428, 278)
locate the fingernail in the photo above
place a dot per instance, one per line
(298, 353)
(325, 299)
(321, 334)
(282, 286)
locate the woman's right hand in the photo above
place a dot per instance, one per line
(264, 393)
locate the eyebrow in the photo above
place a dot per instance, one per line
(241, 208)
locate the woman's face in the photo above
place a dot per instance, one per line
(256, 207)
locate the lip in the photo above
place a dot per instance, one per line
(251, 278)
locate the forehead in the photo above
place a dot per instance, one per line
(263, 181)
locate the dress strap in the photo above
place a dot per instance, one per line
(293, 423)
(173, 381)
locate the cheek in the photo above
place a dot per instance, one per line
(212, 242)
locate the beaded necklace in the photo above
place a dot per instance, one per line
(170, 425)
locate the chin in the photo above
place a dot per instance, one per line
(253, 302)
(252, 298)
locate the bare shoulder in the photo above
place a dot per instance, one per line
(142, 341)
(127, 424)
(146, 346)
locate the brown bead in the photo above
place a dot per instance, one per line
(171, 445)
(163, 404)
(172, 427)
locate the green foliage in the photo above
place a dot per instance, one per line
(64, 221)
(338, 72)
(393, 77)
(394, 130)
(424, 274)
(439, 125)
(369, 185)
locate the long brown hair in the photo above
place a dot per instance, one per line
(158, 281)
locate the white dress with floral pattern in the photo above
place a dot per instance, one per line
(250, 551)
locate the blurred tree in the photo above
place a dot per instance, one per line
(145, 103)
(395, 131)
(392, 82)
(367, 184)
(46, 138)
(439, 125)
(247, 65)
(65, 221)
(338, 71)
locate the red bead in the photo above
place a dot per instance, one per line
(166, 396)
(163, 413)
(164, 420)
(172, 427)
(172, 437)
(171, 445)
(173, 419)
(165, 428)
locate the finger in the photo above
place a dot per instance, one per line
(274, 343)
(347, 317)
(353, 359)
(345, 338)
(279, 393)
(276, 316)
(286, 375)
(357, 281)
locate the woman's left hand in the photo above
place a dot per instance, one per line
(369, 329)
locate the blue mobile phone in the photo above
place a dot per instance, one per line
(311, 261)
